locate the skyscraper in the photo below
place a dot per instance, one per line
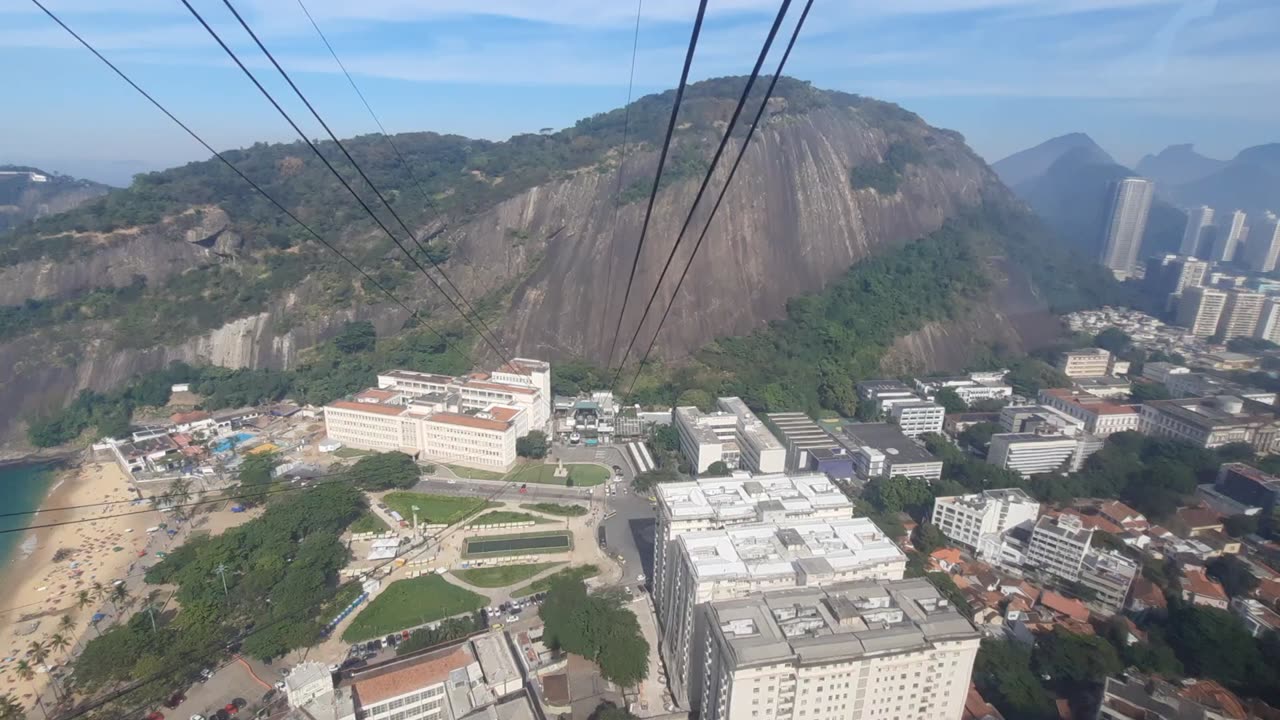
(1241, 313)
(1263, 244)
(1168, 275)
(1269, 321)
(1199, 219)
(1227, 238)
(1201, 309)
(1126, 222)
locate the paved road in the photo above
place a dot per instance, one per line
(485, 488)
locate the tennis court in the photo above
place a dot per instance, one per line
(525, 544)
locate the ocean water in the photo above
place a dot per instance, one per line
(22, 487)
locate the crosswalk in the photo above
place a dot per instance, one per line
(640, 456)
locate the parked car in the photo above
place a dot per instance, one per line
(174, 700)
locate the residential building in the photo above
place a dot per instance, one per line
(1123, 516)
(1205, 385)
(1227, 237)
(884, 394)
(1200, 310)
(1168, 275)
(434, 430)
(1258, 619)
(1037, 418)
(917, 418)
(1269, 321)
(1213, 422)
(735, 562)
(1101, 417)
(857, 650)
(1109, 574)
(1264, 244)
(1161, 371)
(881, 450)
(965, 519)
(1085, 362)
(1199, 222)
(970, 388)
(719, 503)
(799, 435)
(1199, 589)
(732, 435)
(1256, 491)
(1126, 222)
(1240, 314)
(1137, 697)
(1059, 545)
(1033, 452)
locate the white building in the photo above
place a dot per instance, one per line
(882, 450)
(732, 435)
(1264, 244)
(800, 435)
(1101, 417)
(970, 388)
(733, 563)
(1031, 453)
(1059, 545)
(1110, 575)
(1214, 421)
(1227, 241)
(719, 503)
(885, 394)
(965, 519)
(1127, 221)
(919, 417)
(1240, 314)
(524, 384)
(1085, 362)
(1200, 310)
(1269, 321)
(1199, 221)
(860, 650)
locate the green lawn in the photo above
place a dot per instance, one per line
(582, 474)
(408, 603)
(557, 509)
(434, 508)
(581, 572)
(474, 474)
(498, 517)
(346, 452)
(532, 543)
(502, 576)
(369, 523)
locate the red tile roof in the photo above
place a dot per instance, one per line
(1148, 593)
(1213, 695)
(1062, 605)
(948, 555)
(1195, 581)
(413, 674)
(375, 408)
(1118, 512)
(189, 417)
(1199, 518)
(377, 394)
(977, 708)
(500, 387)
(470, 421)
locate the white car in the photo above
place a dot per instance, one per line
(197, 717)
(513, 618)
(640, 578)
(451, 481)
(280, 685)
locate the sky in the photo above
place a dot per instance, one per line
(1136, 75)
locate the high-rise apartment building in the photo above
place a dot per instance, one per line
(1085, 362)
(1168, 275)
(1058, 546)
(1201, 309)
(1227, 237)
(1263, 244)
(1199, 220)
(1269, 321)
(1240, 314)
(732, 435)
(864, 651)
(966, 518)
(1126, 222)
(734, 563)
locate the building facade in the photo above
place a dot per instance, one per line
(1085, 362)
(1214, 421)
(917, 418)
(1200, 310)
(1264, 243)
(1101, 417)
(1240, 314)
(852, 651)
(483, 439)
(882, 450)
(1269, 321)
(1126, 222)
(732, 435)
(965, 519)
(1059, 545)
(1031, 453)
(799, 435)
(1199, 222)
(1227, 237)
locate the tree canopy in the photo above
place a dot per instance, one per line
(383, 471)
(533, 445)
(598, 627)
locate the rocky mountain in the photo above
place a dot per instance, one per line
(189, 264)
(1250, 181)
(1031, 163)
(27, 193)
(1071, 196)
(1177, 164)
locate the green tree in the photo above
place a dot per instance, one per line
(978, 436)
(949, 399)
(645, 481)
(603, 711)
(1114, 340)
(1074, 662)
(928, 537)
(1213, 643)
(256, 475)
(698, 398)
(533, 445)
(1002, 672)
(1142, 392)
(898, 493)
(716, 469)
(355, 337)
(598, 627)
(1237, 526)
(383, 471)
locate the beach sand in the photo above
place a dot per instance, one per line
(36, 591)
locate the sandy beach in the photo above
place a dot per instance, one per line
(37, 592)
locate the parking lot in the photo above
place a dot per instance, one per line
(235, 680)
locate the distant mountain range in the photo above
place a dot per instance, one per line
(1065, 181)
(27, 193)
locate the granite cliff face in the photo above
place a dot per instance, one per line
(791, 222)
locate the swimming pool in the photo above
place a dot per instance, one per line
(225, 444)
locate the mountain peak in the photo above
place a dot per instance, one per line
(1178, 164)
(1033, 162)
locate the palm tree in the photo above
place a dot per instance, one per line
(28, 673)
(119, 596)
(38, 651)
(11, 708)
(66, 628)
(58, 642)
(83, 599)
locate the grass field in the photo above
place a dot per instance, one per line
(581, 572)
(522, 544)
(557, 509)
(369, 523)
(346, 452)
(498, 517)
(496, 577)
(434, 508)
(474, 474)
(409, 603)
(582, 474)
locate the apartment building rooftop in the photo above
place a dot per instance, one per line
(846, 621)
(888, 439)
(978, 501)
(1064, 526)
(732, 499)
(810, 548)
(404, 675)
(1215, 412)
(749, 426)
(1091, 403)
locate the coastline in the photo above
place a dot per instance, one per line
(36, 592)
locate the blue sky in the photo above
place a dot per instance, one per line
(1135, 74)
